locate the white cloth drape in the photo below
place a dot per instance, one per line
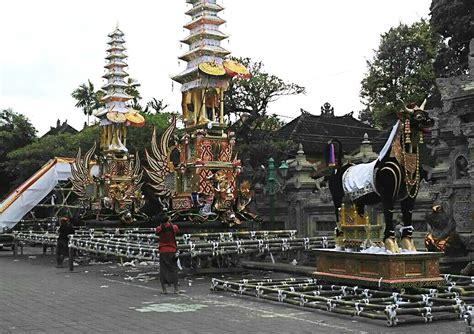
(30, 196)
(359, 180)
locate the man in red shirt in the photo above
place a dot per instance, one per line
(167, 247)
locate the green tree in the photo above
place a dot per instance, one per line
(15, 131)
(247, 102)
(25, 161)
(133, 91)
(453, 21)
(87, 98)
(270, 123)
(260, 142)
(366, 116)
(258, 152)
(99, 94)
(155, 106)
(140, 138)
(252, 96)
(402, 68)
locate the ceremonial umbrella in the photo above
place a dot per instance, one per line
(234, 68)
(212, 69)
(116, 117)
(135, 119)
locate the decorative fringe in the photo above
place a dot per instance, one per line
(407, 132)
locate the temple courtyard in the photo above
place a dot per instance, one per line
(36, 297)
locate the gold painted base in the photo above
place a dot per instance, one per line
(391, 245)
(379, 270)
(407, 244)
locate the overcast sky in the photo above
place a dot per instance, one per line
(50, 47)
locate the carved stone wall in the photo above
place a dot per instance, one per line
(453, 145)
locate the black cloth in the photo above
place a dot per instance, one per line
(62, 248)
(168, 268)
(64, 232)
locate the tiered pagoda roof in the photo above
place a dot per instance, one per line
(200, 6)
(204, 44)
(115, 88)
(204, 34)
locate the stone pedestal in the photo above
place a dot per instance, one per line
(379, 270)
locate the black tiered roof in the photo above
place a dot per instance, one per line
(60, 129)
(314, 131)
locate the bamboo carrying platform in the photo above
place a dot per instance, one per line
(379, 270)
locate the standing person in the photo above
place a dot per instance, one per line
(167, 247)
(62, 250)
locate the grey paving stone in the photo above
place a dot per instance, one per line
(36, 297)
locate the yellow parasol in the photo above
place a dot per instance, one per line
(136, 120)
(234, 68)
(213, 69)
(116, 117)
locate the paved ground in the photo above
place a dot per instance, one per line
(35, 297)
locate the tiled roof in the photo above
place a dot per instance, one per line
(314, 131)
(61, 128)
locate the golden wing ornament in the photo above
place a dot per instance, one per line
(81, 174)
(160, 165)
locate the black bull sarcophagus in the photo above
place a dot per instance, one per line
(394, 176)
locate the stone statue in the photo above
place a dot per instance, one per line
(462, 167)
(443, 236)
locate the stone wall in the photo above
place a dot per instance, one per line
(453, 146)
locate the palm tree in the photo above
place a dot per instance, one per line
(156, 105)
(86, 98)
(132, 90)
(99, 94)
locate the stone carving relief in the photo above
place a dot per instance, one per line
(327, 110)
(325, 195)
(461, 167)
(425, 191)
(462, 210)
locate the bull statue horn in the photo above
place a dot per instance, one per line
(405, 106)
(423, 105)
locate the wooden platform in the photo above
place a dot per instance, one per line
(379, 270)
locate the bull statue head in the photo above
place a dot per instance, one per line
(416, 117)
